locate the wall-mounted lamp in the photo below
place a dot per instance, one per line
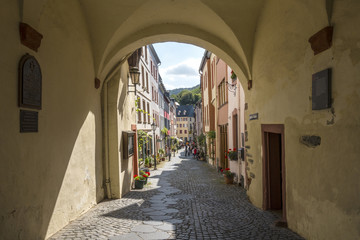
(231, 87)
(135, 76)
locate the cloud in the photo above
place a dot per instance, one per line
(183, 74)
(183, 69)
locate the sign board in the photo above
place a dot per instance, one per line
(254, 116)
(30, 82)
(321, 90)
(28, 121)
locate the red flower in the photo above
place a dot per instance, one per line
(135, 176)
(234, 149)
(227, 169)
(230, 149)
(225, 158)
(222, 170)
(145, 176)
(148, 173)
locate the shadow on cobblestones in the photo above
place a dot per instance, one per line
(187, 199)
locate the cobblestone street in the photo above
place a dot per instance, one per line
(187, 199)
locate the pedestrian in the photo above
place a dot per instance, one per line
(194, 152)
(169, 153)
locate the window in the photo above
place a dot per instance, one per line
(222, 93)
(184, 124)
(144, 108)
(143, 76)
(151, 64)
(147, 82)
(185, 131)
(139, 112)
(148, 110)
(180, 131)
(180, 125)
(153, 93)
(146, 54)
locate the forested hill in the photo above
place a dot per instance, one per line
(185, 96)
(178, 90)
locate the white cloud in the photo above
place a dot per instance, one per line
(183, 74)
(182, 70)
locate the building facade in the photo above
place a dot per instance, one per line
(185, 119)
(209, 109)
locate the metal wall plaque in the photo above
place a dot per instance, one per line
(321, 90)
(30, 82)
(28, 121)
(254, 116)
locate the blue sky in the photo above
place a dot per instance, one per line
(179, 64)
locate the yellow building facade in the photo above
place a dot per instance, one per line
(50, 177)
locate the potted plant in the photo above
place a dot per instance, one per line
(148, 161)
(233, 75)
(228, 175)
(139, 181)
(162, 152)
(233, 155)
(145, 175)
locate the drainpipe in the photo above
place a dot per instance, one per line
(105, 122)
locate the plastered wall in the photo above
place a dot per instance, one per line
(50, 177)
(322, 182)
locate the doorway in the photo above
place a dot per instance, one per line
(274, 187)
(223, 146)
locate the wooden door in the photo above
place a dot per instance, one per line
(274, 184)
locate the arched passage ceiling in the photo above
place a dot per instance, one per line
(116, 27)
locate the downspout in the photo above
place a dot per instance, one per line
(106, 141)
(105, 121)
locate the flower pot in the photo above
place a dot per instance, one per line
(229, 180)
(146, 180)
(139, 184)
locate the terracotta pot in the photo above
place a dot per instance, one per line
(229, 180)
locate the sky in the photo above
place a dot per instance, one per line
(179, 64)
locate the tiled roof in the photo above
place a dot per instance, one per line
(185, 111)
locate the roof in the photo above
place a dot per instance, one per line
(206, 56)
(154, 54)
(185, 111)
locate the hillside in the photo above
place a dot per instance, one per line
(178, 90)
(185, 96)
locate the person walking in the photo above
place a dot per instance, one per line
(169, 153)
(194, 154)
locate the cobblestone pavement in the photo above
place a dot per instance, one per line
(187, 199)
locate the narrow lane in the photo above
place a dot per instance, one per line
(187, 199)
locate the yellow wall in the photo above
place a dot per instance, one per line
(51, 177)
(322, 183)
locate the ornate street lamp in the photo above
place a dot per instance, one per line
(135, 76)
(153, 126)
